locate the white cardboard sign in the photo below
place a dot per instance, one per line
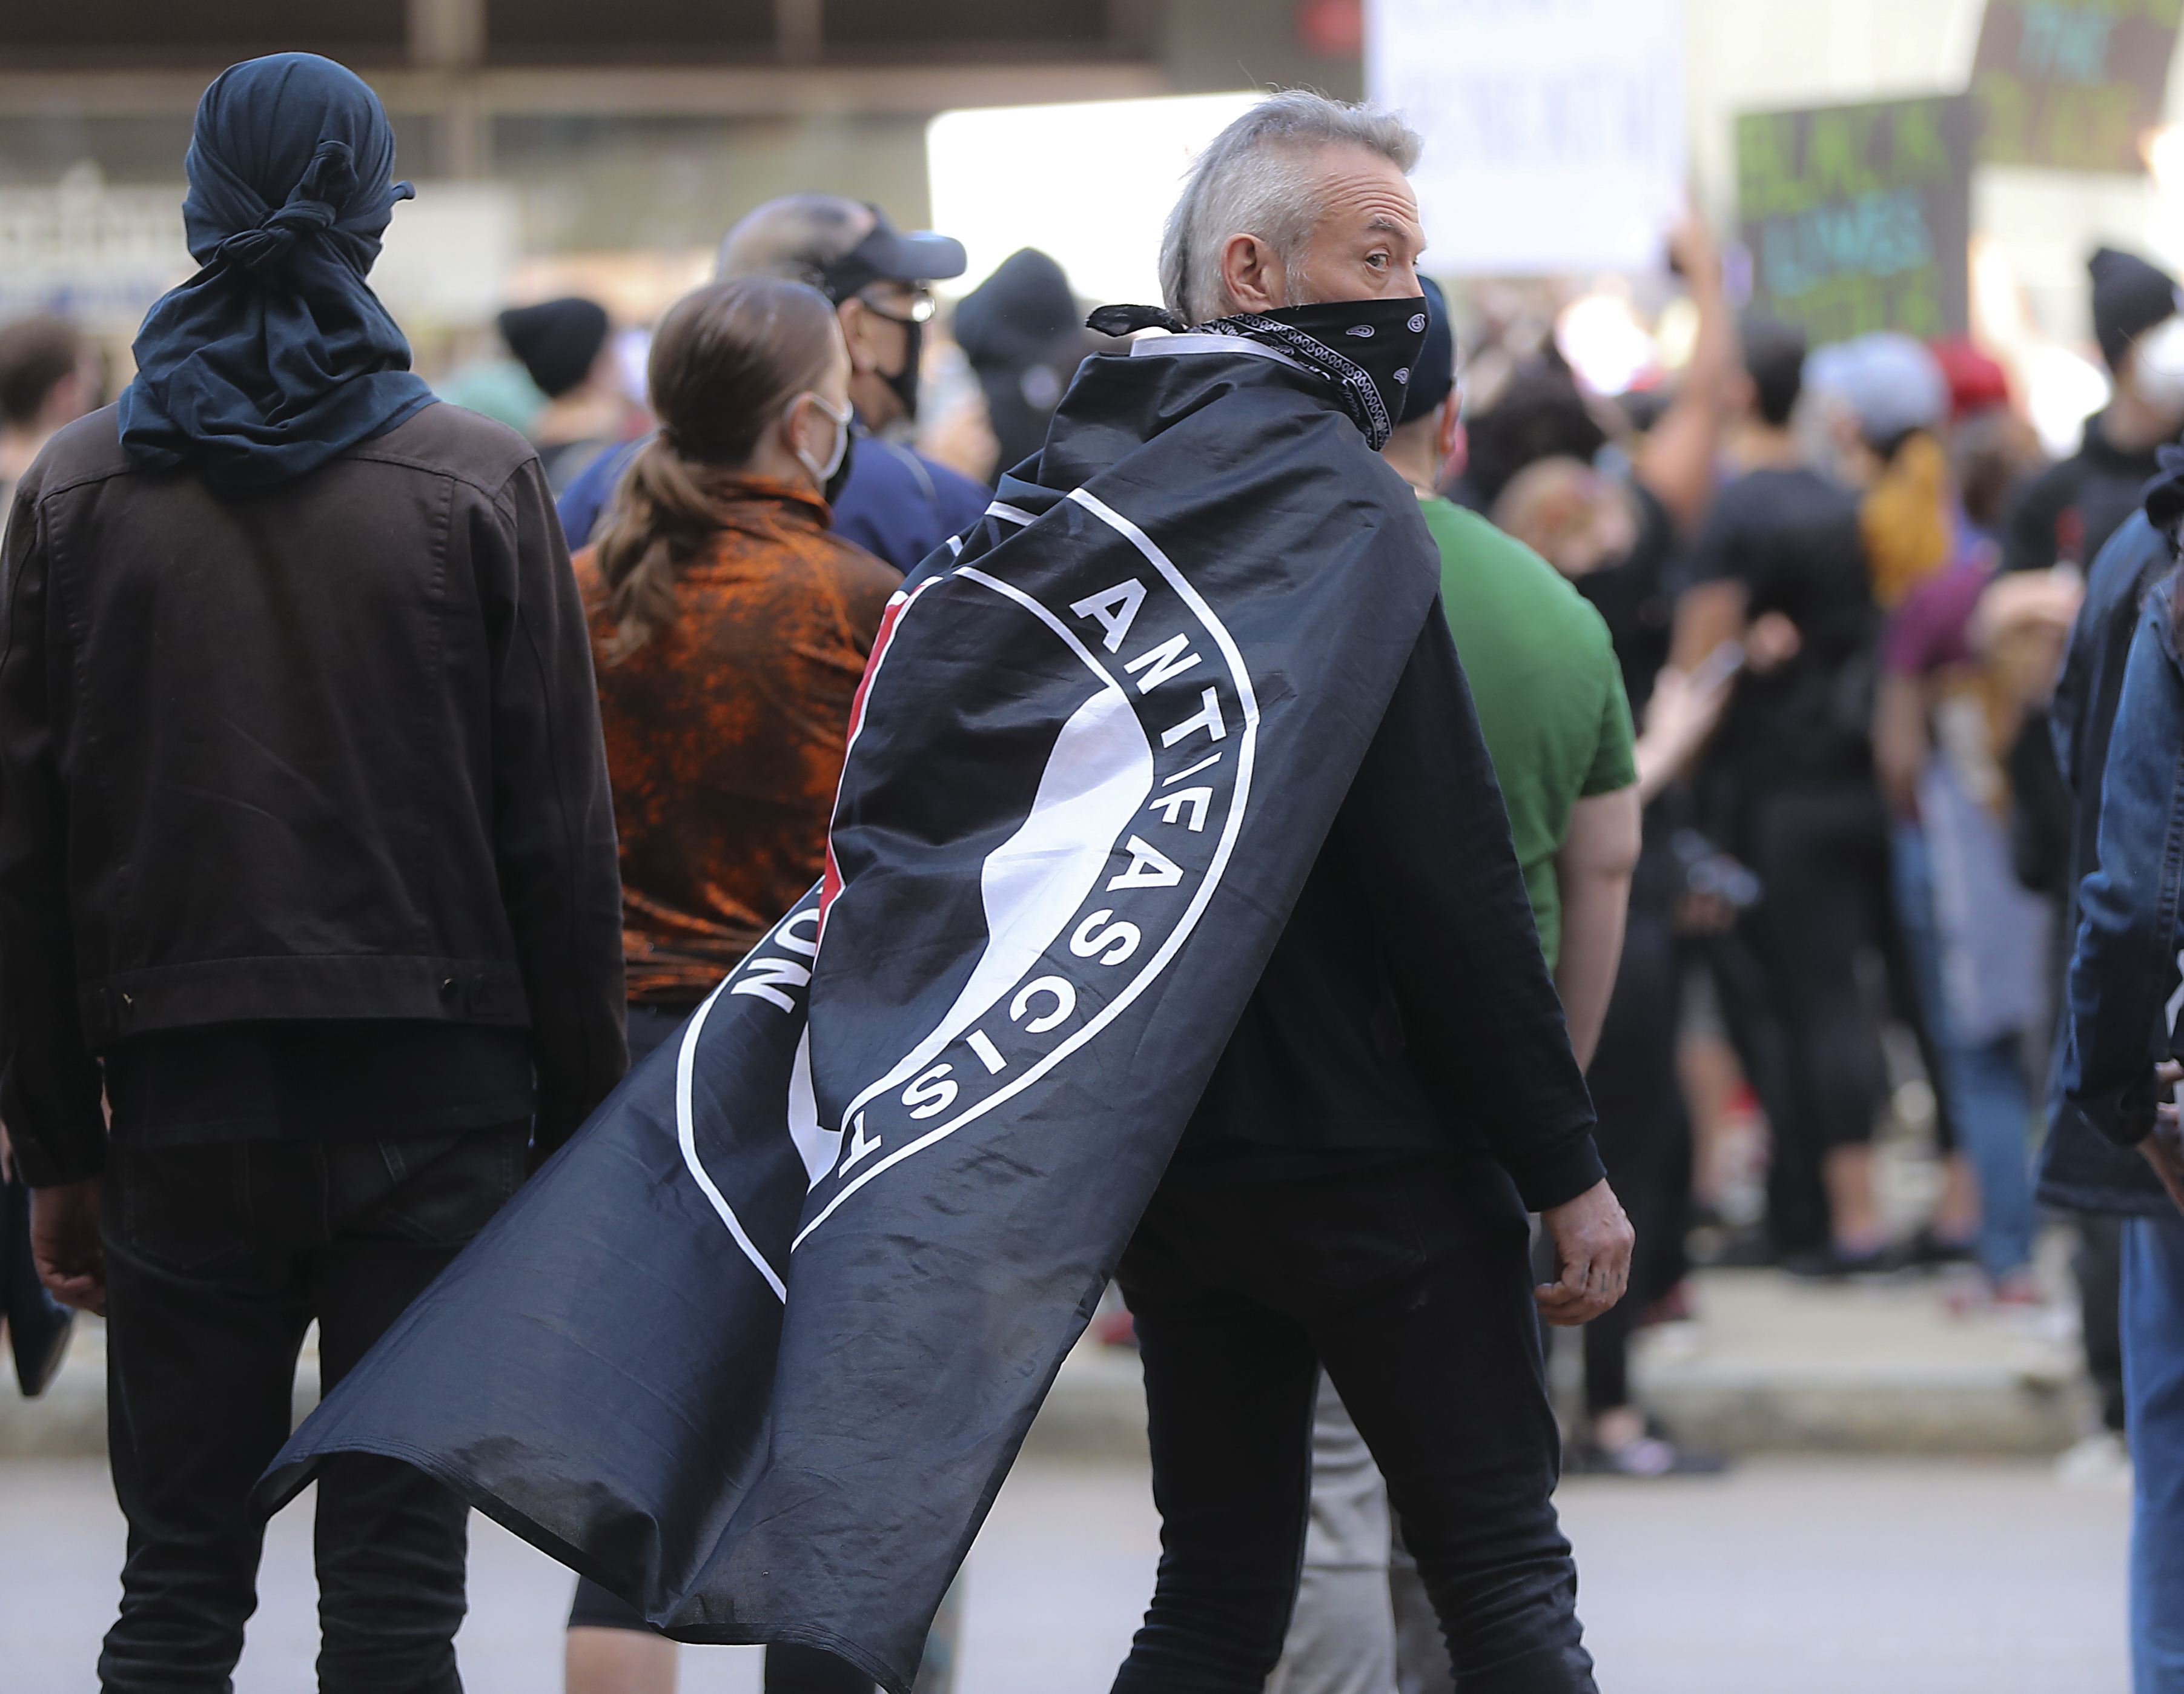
(1554, 129)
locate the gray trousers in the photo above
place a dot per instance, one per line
(1363, 1624)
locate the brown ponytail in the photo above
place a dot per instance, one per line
(725, 361)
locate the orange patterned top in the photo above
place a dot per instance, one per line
(725, 734)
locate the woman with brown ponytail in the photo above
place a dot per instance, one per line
(730, 629)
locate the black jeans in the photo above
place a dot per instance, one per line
(1411, 1283)
(218, 1257)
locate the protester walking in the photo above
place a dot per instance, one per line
(305, 836)
(731, 628)
(1306, 1136)
(887, 498)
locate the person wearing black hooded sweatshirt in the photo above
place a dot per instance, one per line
(1020, 330)
(306, 876)
(2070, 511)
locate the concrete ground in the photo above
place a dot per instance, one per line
(1810, 1575)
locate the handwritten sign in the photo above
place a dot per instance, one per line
(1554, 129)
(1858, 218)
(2072, 83)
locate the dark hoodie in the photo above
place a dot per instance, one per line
(1020, 329)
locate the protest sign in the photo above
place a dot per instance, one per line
(1858, 218)
(2072, 83)
(1554, 129)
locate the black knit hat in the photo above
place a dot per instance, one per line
(1434, 373)
(557, 340)
(2130, 297)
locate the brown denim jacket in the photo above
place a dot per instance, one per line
(726, 731)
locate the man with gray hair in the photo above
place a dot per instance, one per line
(1350, 1191)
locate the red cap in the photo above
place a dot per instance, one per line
(1976, 380)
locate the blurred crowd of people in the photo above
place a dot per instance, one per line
(1831, 593)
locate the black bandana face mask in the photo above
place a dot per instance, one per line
(840, 479)
(905, 381)
(1366, 348)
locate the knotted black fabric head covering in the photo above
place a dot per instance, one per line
(276, 355)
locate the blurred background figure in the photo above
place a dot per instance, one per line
(500, 388)
(2068, 514)
(1780, 569)
(1612, 517)
(50, 376)
(888, 499)
(565, 348)
(1024, 331)
(1964, 661)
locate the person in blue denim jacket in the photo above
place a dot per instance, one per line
(2124, 997)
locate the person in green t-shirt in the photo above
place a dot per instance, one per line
(1549, 690)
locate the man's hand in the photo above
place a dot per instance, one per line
(2164, 1147)
(64, 1244)
(1592, 1248)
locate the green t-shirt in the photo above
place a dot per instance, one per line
(1549, 692)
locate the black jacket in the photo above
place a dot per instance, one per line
(331, 751)
(2071, 509)
(2080, 1169)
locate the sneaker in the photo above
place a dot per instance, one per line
(1830, 1264)
(1928, 1248)
(1646, 1456)
(2100, 1461)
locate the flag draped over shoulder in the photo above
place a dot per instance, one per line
(756, 1349)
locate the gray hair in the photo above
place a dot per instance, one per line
(1254, 179)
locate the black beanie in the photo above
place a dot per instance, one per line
(2130, 297)
(557, 340)
(1434, 373)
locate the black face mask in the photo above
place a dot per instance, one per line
(832, 491)
(1367, 346)
(903, 382)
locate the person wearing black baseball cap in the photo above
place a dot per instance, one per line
(2069, 511)
(890, 499)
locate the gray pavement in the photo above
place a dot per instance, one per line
(1811, 1575)
(1769, 1365)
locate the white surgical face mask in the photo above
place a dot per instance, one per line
(2157, 365)
(820, 473)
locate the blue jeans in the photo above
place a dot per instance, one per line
(1993, 1099)
(2153, 1391)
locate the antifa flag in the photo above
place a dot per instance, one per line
(757, 1348)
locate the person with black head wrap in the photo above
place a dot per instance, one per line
(2067, 513)
(307, 874)
(1019, 329)
(276, 355)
